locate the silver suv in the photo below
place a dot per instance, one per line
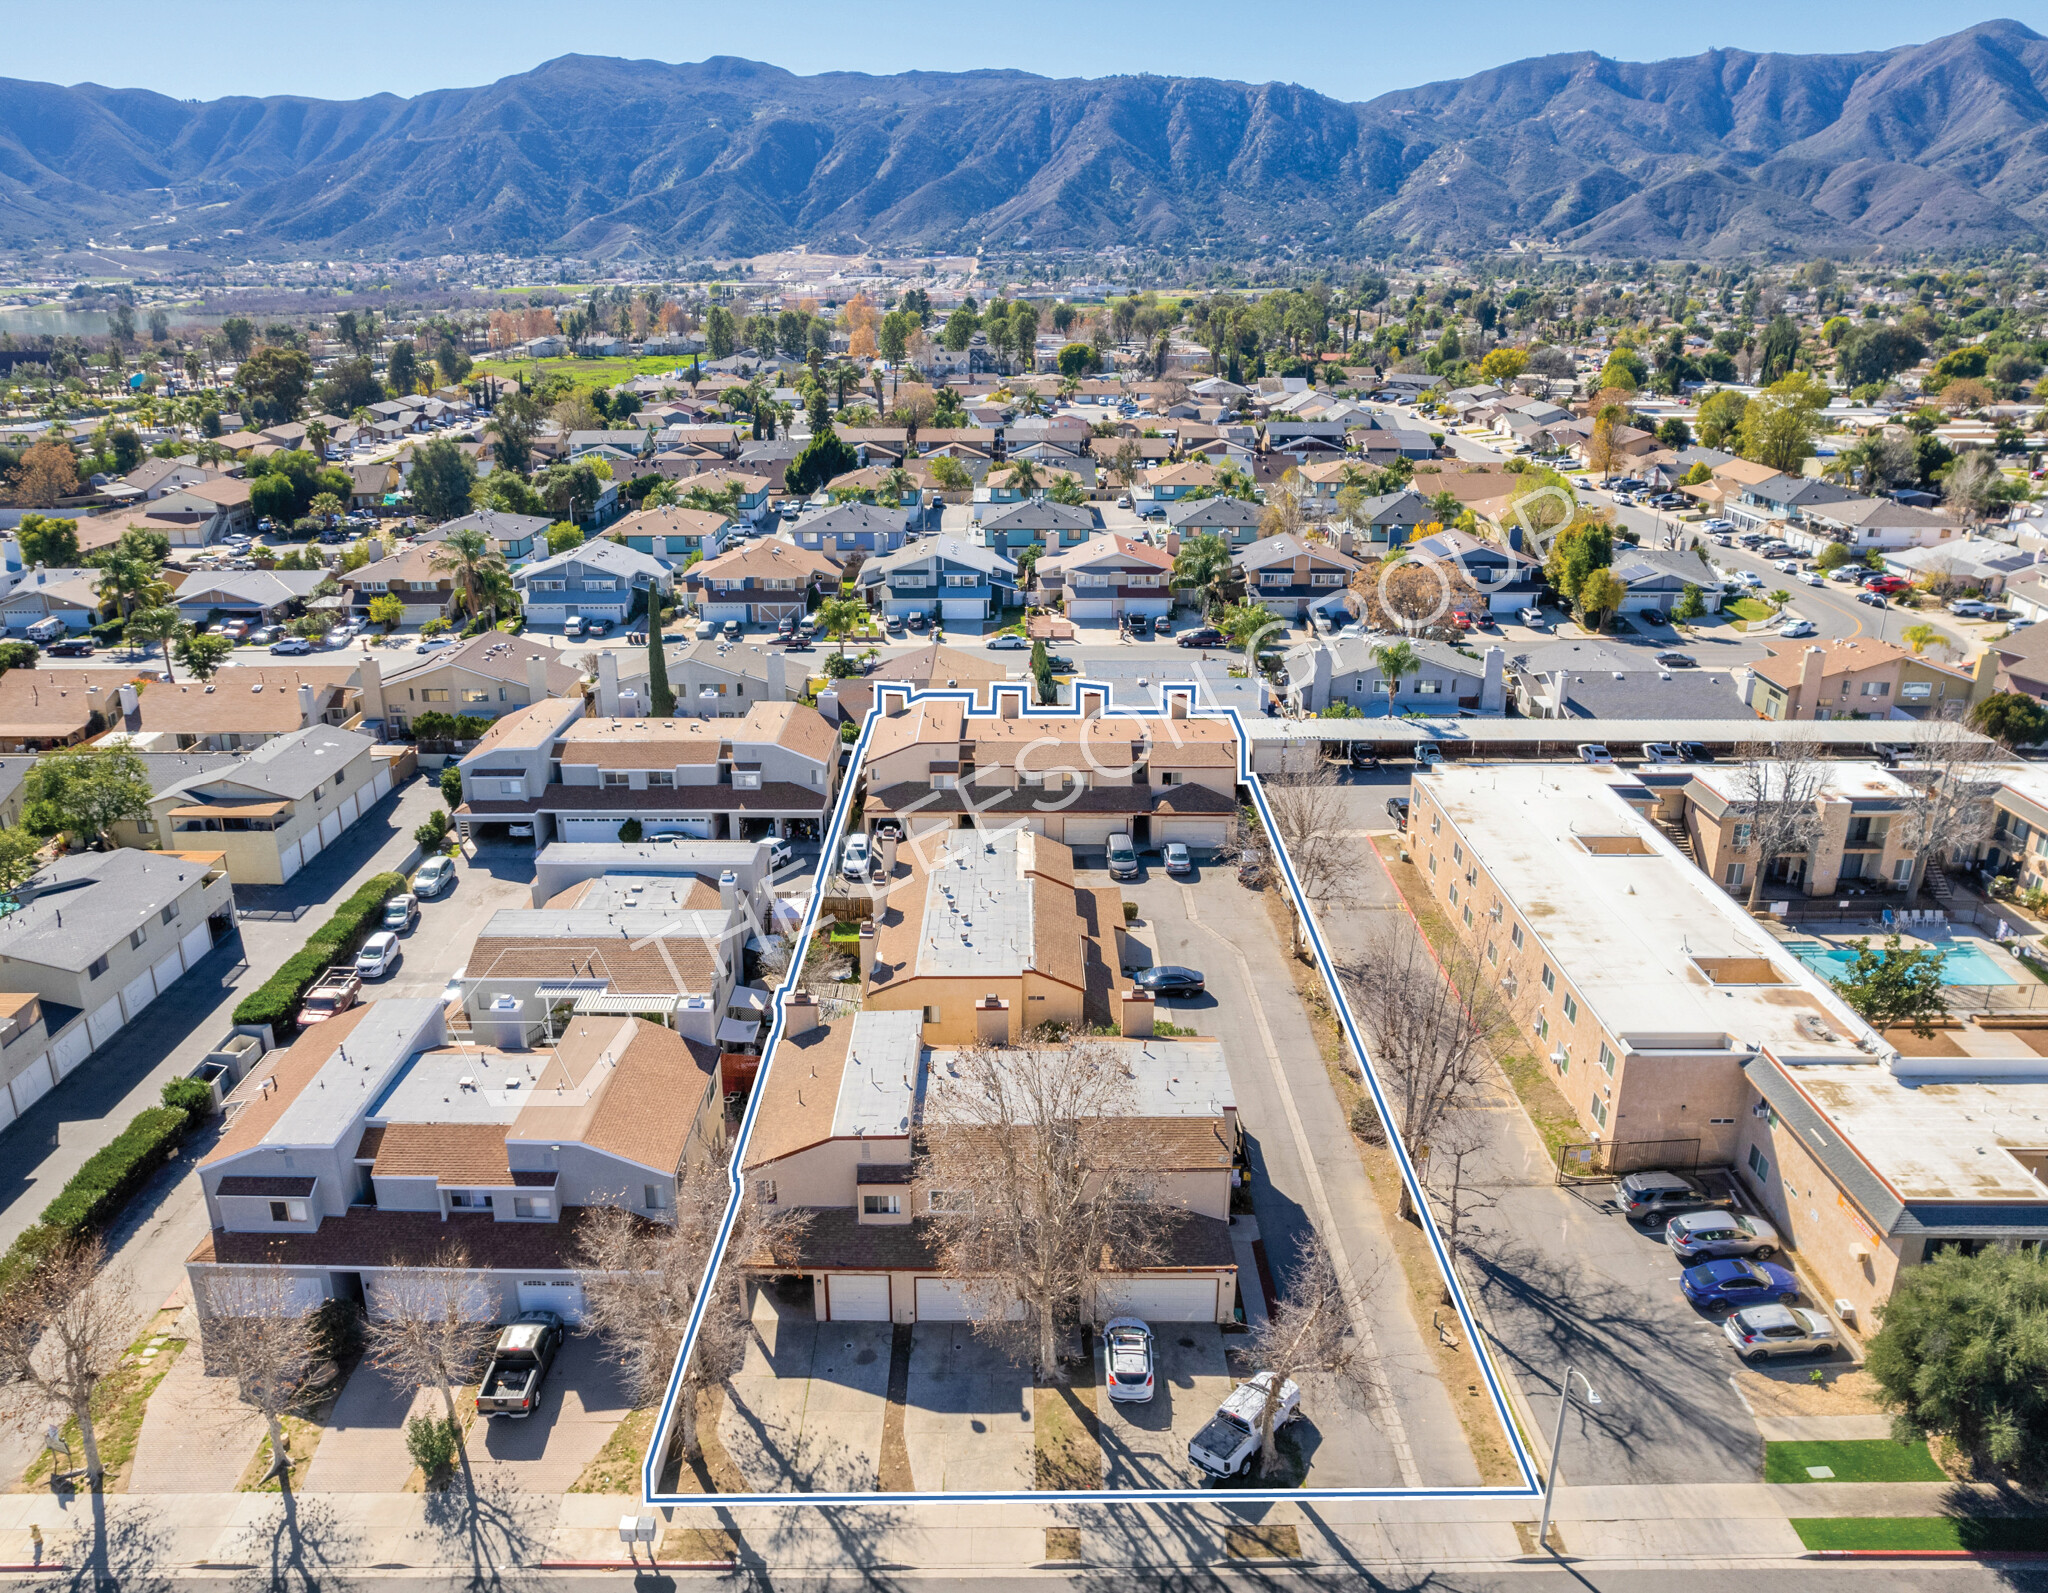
(1761, 1331)
(1708, 1235)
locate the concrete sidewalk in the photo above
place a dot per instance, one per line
(1711, 1526)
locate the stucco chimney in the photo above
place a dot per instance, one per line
(1173, 543)
(866, 953)
(370, 682)
(799, 1015)
(1177, 705)
(728, 889)
(1093, 701)
(778, 677)
(1812, 662)
(537, 678)
(885, 855)
(307, 712)
(608, 684)
(1135, 1018)
(992, 1020)
(1492, 685)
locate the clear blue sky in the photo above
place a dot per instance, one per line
(208, 48)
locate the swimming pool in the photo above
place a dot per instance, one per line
(1961, 964)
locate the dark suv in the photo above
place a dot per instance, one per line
(1656, 1197)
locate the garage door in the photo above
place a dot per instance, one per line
(1204, 833)
(166, 972)
(476, 1303)
(696, 829)
(351, 810)
(857, 1296)
(73, 1046)
(330, 827)
(563, 1296)
(590, 829)
(137, 994)
(1092, 832)
(963, 608)
(381, 784)
(943, 1300)
(288, 859)
(30, 1084)
(1161, 1299)
(196, 945)
(310, 845)
(103, 1025)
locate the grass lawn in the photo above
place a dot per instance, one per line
(590, 373)
(1750, 609)
(118, 1406)
(1856, 1460)
(617, 1466)
(1067, 1448)
(1976, 1534)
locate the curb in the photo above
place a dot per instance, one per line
(630, 1565)
(2034, 1555)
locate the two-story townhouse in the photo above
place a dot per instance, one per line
(1236, 520)
(1862, 678)
(1172, 483)
(715, 679)
(941, 578)
(268, 811)
(1777, 500)
(484, 677)
(675, 536)
(599, 580)
(748, 489)
(1294, 578)
(374, 1146)
(1009, 528)
(262, 595)
(931, 766)
(242, 706)
(1342, 669)
(845, 1109)
(847, 529)
(513, 537)
(416, 577)
(513, 762)
(760, 583)
(1111, 576)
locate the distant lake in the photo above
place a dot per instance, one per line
(54, 320)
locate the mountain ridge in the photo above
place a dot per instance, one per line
(1936, 146)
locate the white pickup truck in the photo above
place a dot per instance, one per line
(1229, 1440)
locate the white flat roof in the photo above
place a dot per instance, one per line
(1629, 929)
(977, 908)
(878, 1085)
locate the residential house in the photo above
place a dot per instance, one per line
(39, 594)
(1777, 500)
(242, 706)
(2023, 661)
(1505, 579)
(1656, 579)
(714, 679)
(1600, 680)
(628, 445)
(599, 580)
(750, 491)
(1110, 577)
(675, 536)
(851, 528)
(1294, 578)
(267, 596)
(1236, 520)
(760, 583)
(418, 577)
(1343, 670)
(1009, 528)
(513, 537)
(371, 484)
(933, 665)
(943, 578)
(1975, 565)
(1860, 679)
(485, 677)
(1172, 483)
(1861, 524)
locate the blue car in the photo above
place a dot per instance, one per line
(1719, 1285)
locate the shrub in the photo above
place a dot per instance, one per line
(630, 831)
(430, 1440)
(1366, 1124)
(276, 1000)
(191, 1097)
(451, 786)
(99, 1188)
(339, 1325)
(432, 834)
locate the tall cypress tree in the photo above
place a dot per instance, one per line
(661, 701)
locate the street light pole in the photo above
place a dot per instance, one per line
(1564, 1400)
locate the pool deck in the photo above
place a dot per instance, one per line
(1840, 936)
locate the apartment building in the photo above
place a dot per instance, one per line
(1862, 839)
(1077, 780)
(1862, 678)
(375, 1145)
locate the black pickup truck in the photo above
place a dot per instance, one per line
(519, 1365)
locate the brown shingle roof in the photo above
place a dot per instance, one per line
(449, 1153)
(292, 1069)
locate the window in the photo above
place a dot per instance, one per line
(1543, 1026)
(1332, 579)
(931, 1014)
(653, 1197)
(137, 936)
(764, 1191)
(549, 586)
(1468, 917)
(97, 967)
(1758, 1164)
(1432, 862)
(963, 580)
(1735, 873)
(1454, 893)
(1599, 1111)
(1430, 688)
(434, 694)
(169, 913)
(1493, 954)
(1606, 1059)
(478, 695)
(532, 1206)
(1549, 977)
(1515, 935)
(661, 777)
(592, 583)
(881, 1205)
(1457, 853)
(1436, 823)
(1742, 837)
(1571, 1010)
(617, 777)
(1563, 1059)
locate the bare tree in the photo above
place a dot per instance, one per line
(255, 1332)
(642, 1279)
(1953, 777)
(1309, 818)
(64, 1326)
(1028, 1179)
(430, 1328)
(1428, 1028)
(1461, 1136)
(1777, 797)
(1309, 1334)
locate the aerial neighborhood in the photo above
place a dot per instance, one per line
(667, 885)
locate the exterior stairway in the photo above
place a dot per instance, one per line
(1680, 838)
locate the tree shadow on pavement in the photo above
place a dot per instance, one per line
(303, 1545)
(115, 1544)
(858, 1534)
(487, 1528)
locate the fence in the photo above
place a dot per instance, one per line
(1598, 1161)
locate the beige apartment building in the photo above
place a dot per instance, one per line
(1863, 841)
(1861, 679)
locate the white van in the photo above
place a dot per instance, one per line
(572, 627)
(46, 630)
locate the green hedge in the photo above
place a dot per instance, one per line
(276, 1000)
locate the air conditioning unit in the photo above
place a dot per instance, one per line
(1495, 914)
(1761, 1109)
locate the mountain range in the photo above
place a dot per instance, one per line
(1933, 147)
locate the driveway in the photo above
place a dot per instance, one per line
(581, 1403)
(967, 1416)
(363, 1448)
(1146, 1446)
(806, 1410)
(436, 949)
(55, 1137)
(196, 1435)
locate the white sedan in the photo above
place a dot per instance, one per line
(1814, 578)
(1011, 642)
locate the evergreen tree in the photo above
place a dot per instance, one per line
(661, 700)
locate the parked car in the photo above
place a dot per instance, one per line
(379, 955)
(1127, 1355)
(1760, 1331)
(1719, 1285)
(780, 854)
(1872, 600)
(1670, 660)
(1397, 810)
(1789, 566)
(1229, 1439)
(1712, 1235)
(1169, 979)
(888, 829)
(1175, 856)
(1717, 525)
(1162, 624)
(519, 1365)
(435, 875)
(1530, 616)
(428, 644)
(1009, 642)
(1656, 1195)
(1887, 584)
(1695, 752)
(731, 631)
(1660, 752)
(893, 624)
(1971, 608)
(916, 623)
(853, 862)
(291, 646)
(1594, 752)
(335, 993)
(1428, 755)
(75, 647)
(1123, 858)
(1204, 636)
(1814, 578)
(401, 912)
(1794, 628)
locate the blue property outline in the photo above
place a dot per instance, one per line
(885, 696)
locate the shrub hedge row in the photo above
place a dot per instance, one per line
(276, 1000)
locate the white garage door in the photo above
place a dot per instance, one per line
(1202, 833)
(166, 972)
(74, 1045)
(1093, 832)
(1088, 608)
(330, 827)
(696, 829)
(1161, 1299)
(563, 1296)
(964, 608)
(137, 994)
(350, 810)
(590, 829)
(943, 1300)
(288, 857)
(196, 945)
(30, 1084)
(310, 845)
(103, 1025)
(478, 1303)
(857, 1296)
(381, 784)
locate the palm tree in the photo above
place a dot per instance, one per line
(896, 485)
(162, 625)
(841, 616)
(1393, 660)
(1203, 565)
(1923, 636)
(316, 437)
(468, 553)
(1024, 475)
